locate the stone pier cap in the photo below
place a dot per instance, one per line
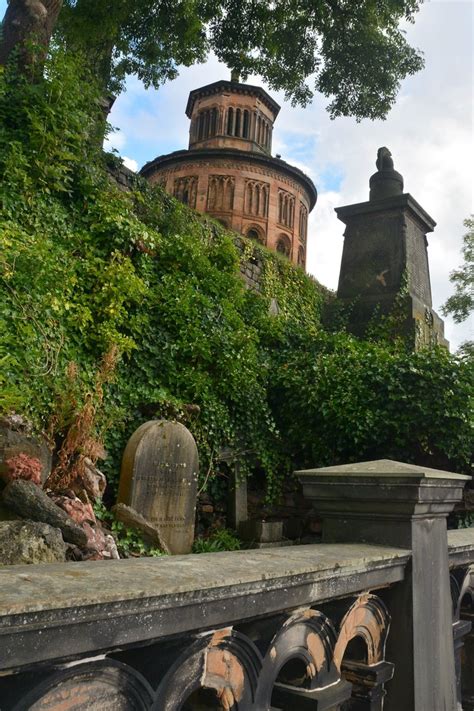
(382, 489)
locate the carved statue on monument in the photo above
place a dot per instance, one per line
(384, 159)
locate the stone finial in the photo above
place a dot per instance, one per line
(386, 182)
(234, 76)
(384, 159)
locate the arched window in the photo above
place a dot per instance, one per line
(185, 189)
(206, 124)
(286, 208)
(220, 192)
(303, 223)
(284, 245)
(230, 121)
(228, 198)
(238, 114)
(301, 256)
(256, 198)
(257, 234)
(213, 123)
(200, 126)
(245, 126)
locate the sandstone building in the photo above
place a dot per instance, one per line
(228, 170)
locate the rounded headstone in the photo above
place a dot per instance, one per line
(159, 479)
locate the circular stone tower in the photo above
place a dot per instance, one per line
(228, 170)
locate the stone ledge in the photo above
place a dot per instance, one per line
(69, 610)
(461, 547)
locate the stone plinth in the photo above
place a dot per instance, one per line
(392, 503)
(385, 254)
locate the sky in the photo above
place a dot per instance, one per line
(429, 132)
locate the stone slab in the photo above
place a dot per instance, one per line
(67, 610)
(272, 544)
(62, 586)
(384, 467)
(461, 547)
(261, 531)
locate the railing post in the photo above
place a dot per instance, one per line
(391, 503)
(368, 684)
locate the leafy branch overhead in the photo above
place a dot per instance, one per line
(461, 303)
(354, 53)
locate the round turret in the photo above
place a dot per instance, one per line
(229, 172)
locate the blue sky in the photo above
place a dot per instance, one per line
(429, 131)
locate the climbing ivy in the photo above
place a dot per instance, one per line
(87, 269)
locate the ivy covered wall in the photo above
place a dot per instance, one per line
(118, 306)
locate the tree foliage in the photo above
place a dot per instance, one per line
(352, 52)
(461, 303)
(351, 400)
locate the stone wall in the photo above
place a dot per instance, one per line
(225, 184)
(251, 267)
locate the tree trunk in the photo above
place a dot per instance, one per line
(28, 23)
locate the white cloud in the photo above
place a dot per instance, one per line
(130, 163)
(116, 140)
(429, 132)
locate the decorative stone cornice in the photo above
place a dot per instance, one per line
(276, 165)
(218, 87)
(396, 202)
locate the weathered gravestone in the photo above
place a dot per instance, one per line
(159, 479)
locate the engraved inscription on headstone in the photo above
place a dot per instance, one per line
(159, 479)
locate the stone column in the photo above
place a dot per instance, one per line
(391, 503)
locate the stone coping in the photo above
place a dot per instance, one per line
(383, 468)
(232, 154)
(27, 588)
(234, 87)
(461, 547)
(405, 200)
(69, 611)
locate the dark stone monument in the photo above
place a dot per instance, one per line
(385, 248)
(159, 480)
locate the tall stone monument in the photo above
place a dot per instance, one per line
(385, 249)
(159, 479)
